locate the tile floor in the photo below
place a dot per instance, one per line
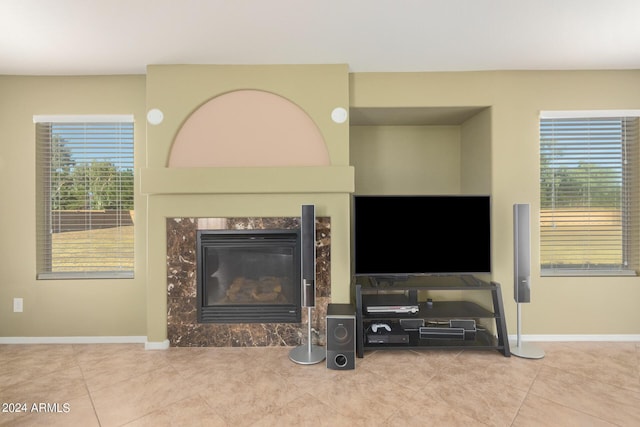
(576, 384)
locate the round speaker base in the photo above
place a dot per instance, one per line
(304, 355)
(526, 350)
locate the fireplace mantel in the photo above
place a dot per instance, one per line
(235, 180)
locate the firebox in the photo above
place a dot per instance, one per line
(248, 276)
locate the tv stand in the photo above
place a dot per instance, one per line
(421, 312)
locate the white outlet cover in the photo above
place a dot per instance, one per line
(18, 305)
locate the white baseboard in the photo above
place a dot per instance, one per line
(75, 340)
(164, 345)
(156, 345)
(577, 338)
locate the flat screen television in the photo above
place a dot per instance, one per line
(412, 235)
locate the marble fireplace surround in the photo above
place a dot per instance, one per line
(183, 329)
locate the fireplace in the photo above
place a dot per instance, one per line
(248, 276)
(183, 327)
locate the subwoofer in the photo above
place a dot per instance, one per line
(341, 336)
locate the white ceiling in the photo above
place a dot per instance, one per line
(70, 37)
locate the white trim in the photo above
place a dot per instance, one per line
(85, 275)
(557, 272)
(579, 338)
(75, 340)
(156, 345)
(588, 114)
(148, 345)
(82, 118)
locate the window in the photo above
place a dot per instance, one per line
(589, 193)
(85, 196)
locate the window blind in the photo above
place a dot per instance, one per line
(86, 200)
(589, 195)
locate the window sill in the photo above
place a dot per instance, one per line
(86, 275)
(587, 273)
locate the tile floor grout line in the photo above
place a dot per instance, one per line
(526, 395)
(571, 408)
(86, 386)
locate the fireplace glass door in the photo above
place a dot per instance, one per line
(249, 276)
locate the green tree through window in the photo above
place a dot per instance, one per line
(588, 195)
(86, 198)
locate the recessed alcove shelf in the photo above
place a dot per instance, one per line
(421, 150)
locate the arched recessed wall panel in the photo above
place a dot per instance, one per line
(248, 128)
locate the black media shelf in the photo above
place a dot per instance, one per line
(490, 333)
(441, 309)
(483, 341)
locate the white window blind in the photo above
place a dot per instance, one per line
(85, 196)
(589, 195)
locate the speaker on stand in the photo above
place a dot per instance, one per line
(522, 276)
(308, 354)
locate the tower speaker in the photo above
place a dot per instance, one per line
(341, 337)
(308, 243)
(522, 277)
(522, 253)
(308, 354)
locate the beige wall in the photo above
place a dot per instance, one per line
(406, 159)
(119, 307)
(55, 308)
(594, 305)
(475, 153)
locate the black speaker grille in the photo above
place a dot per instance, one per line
(308, 243)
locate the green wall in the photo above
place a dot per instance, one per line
(55, 308)
(578, 305)
(502, 162)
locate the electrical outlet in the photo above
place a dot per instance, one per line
(18, 305)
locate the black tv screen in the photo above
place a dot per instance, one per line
(405, 235)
